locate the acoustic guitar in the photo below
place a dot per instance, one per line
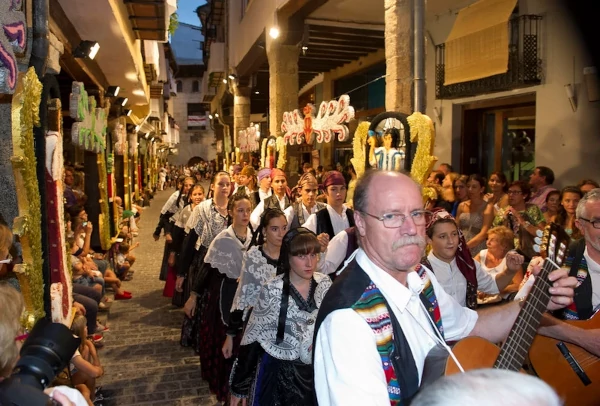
(572, 371)
(477, 352)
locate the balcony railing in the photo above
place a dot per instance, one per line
(524, 63)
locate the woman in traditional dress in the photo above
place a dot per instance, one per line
(207, 220)
(223, 266)
(174, 204)
(274, 363)
(178, 234)
(259, 265)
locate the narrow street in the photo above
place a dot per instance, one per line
(143, 361)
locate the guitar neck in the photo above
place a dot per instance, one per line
(515, 349)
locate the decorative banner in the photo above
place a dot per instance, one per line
(330, 120)
(27, 226)
(61, 287)
(89, 129)
(13, 43)
(248, 138)
(358, 146)
(103, 188)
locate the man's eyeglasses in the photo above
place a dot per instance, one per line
(395, 220)
(594, 223)
(514, 192)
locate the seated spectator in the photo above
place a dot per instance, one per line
(85, 365)
(587, 184)
(11, 341)
(86, 276)
(552, 206)
(500, 240)
(71, 198)
(6, 261)
(125, 260)
(524, 219)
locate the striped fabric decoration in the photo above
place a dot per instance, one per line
(372, 308)
(429, 294)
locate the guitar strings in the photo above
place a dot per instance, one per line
(437, 337)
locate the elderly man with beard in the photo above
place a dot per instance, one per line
(373, 331)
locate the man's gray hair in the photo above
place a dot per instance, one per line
(489, 387)
(591, 196)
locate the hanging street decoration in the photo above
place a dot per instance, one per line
(89, 129)
(331, 119)
(248, 138)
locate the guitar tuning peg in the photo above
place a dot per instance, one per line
(537, 248)
(539, 233)
(538, 240)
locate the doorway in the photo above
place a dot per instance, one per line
(499, 135)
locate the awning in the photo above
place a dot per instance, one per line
(477, 46)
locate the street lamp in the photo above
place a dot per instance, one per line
(274, 30)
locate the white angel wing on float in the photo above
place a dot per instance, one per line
(331, 119)
(292, 127)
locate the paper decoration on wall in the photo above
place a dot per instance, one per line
(13, 43)
(248, 138)
(119, 136)
(61, 285)
(27, 225)
(89, 129)
(331, 119)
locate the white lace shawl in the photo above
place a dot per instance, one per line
(226, 252)
(255, 272)
(209, 223)
(181, 217)
(299, 325)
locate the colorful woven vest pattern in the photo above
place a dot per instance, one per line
(372, 308)
(570, 312)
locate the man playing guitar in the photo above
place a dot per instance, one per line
(584, 264)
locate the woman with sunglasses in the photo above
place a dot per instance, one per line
(274, 366)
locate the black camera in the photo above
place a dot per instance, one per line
(45, 353)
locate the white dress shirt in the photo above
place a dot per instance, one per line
(338, 221)
(331, 259)
(455, 284)
(594, 271)
(347, 366)
(260, 208)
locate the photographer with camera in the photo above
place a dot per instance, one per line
(29, 362)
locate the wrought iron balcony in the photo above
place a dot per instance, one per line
(524, 63)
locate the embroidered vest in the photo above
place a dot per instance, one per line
(374, 309)
(299, 219)
(324, 224)
(272, 202)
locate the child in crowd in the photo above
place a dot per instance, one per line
(85, 365)
(86, 277)
(125, 260)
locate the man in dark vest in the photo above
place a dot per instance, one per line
(299, 211)
(385, 312)
(582, 263)
(278, 200)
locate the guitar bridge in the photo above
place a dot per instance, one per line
(573, 363)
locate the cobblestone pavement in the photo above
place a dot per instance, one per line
(143, 361)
